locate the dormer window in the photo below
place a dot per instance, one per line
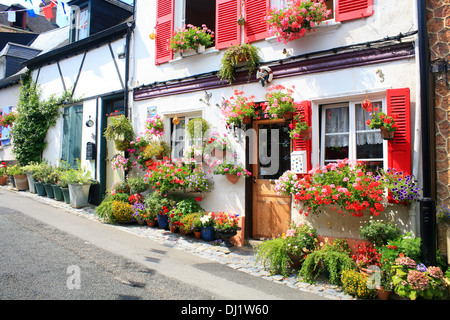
(80, 22)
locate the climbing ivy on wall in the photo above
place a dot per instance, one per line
(34, 118)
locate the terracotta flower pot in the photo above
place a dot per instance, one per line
(288, 116)
(232, 178)
(247, 120)
(383, 294)
(151, 223)
(386, 134)
(3, 180)
(306, 134)
(197, 234)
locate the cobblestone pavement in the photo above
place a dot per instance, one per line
(239, 258)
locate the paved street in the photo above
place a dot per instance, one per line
(51, 253)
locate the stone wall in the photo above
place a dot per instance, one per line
(438, 23)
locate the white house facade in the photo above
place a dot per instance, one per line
(360, 52)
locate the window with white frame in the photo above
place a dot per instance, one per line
(179, 138)
(345, 134)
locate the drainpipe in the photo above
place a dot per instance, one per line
(127, 65)
(427, 204)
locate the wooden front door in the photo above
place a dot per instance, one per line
(72, 132)
(271, 212)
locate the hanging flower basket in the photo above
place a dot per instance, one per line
(232, 178)
(288, 116)
(387, 135)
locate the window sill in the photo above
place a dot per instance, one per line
(323, 28)
(179, 59)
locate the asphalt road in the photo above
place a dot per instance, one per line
(48, 253)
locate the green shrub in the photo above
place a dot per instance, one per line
(379, 232)
(355, 284)
(273, 254)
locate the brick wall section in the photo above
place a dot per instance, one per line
(438, 24)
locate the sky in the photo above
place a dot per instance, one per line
(29, 4)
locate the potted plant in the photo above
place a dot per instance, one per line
(183, 208)
(3, 174)
(79, 182)
(217, 144)
(29, 170)
(413, 280)
(198, 180)
(39, 176)
(279, 102)
(226, 226)
(137, 184)
(191, 223)
(402, 188)
(197, 127)
(296, 19)
(157, 148)
(232, 171)
(154, 126)
(121, 211)
(119, 130)
(355, 284)
(300, 129)
(207, 226)
(191, 39)
(245, 55)
(238, 109)
(379, 120)
(7, 120)
(10, 173)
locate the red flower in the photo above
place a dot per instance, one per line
(198, 199)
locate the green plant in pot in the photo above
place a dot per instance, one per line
(29, 169)
(120, 130)
(197, 127)
(79, 181)
(156, 148)
(246, 53)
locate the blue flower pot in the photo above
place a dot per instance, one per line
(163, 221)
(208, 233)
(40, 189)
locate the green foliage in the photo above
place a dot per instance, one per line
(137, 184)
(197, 127)
(76, 175)
(191, 221)
(273, 254)
(334, 259)
(379, 232)
(34, 118)
(233, 55)
(119, 128)
(121, 212)
(14, 170)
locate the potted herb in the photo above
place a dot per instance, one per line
(191, 39)
(232, 171)
(296, 19)
(245, 55)
(238, 109)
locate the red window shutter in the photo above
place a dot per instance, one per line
(228, 32)
(164, 30)
(399, 149)
(300, 144)
(352, 9)
(255, 27)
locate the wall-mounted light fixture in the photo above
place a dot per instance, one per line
(121, 52)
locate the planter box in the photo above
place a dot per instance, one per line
(66, 194)
(79, 194)
(57, 192)
(40, 189)
(21, 182)
(191, 52)
(49, 190)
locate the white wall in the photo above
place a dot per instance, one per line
(9, 96)
(98, 77)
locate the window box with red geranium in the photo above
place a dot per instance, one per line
(296, 19)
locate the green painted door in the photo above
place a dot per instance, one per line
(72, 131)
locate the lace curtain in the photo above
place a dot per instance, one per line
(337, 127)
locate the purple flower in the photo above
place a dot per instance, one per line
(421, 267)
